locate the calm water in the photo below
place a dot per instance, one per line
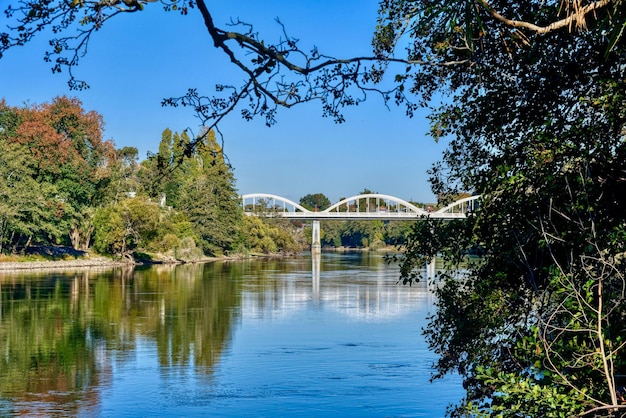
(253, 338)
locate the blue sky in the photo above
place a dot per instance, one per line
(138, 59)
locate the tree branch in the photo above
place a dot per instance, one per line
(577, 16)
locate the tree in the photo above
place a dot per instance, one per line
(317, 201)
(536, 121)
(209, 199)
(68, 159)
(123, 178)
(537, 128)
(122, 228)
(21, 203)
(162, 173)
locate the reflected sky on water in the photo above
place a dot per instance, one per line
(248, 338)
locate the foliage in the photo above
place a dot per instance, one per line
(198, 189)
(122, 228)
(260, 236)
(122, 180)
(209, 199)
(20, 199)
(363, 234)
(136, 224)
(317, 201)
(64, 169)
(185, 249)
(537, 128)
(161, 174)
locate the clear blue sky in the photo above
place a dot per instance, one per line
(138, 59)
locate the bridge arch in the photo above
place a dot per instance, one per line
(400, 204)
(272, 198)
(464, 205)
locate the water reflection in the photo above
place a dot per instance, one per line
(171, 339)
(316, 260)
(357, 285)
(58, 330)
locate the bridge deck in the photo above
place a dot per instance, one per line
(362, 216)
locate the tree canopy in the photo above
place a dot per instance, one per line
(316, 201)
(535, 109)
(60, 162)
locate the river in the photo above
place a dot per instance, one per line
(258, 338)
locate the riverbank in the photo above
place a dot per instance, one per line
(65, 257)
(56, 257)
(60, 257)
(62, 264)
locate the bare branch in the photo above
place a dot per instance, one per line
(576, 15)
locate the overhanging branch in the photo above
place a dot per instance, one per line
(576, 15)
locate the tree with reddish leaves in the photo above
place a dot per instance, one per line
(67, 154)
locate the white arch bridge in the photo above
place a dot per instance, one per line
(371, 206)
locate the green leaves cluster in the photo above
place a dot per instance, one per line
(518, 396)
(316, 201)
(267, 236)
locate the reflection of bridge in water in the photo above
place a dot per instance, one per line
(354, 291)
(371, 206)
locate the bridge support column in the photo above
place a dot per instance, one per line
(431, 270)
(316, 242)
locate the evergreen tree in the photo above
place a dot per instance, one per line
(209, 199)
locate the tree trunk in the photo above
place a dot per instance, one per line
(84, 244)
(75, 237)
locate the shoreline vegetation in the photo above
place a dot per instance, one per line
(40, 258)
(71, 189)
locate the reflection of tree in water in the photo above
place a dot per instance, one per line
(187, 309)
(49, 353)
(263, 283)
(54, 327)
(195, 313)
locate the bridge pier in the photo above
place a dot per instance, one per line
(431, 269)
(316, 242)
